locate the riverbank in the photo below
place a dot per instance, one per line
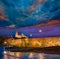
(52, 50)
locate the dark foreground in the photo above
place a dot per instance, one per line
(30, 55)
(52, 50)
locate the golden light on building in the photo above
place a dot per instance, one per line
(5, 42)
(19, 36)
(24, 41)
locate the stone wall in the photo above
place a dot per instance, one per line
(35, 42)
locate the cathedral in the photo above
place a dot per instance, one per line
(20, 36)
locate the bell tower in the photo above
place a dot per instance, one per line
(16, 35)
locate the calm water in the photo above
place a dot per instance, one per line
(26, 55)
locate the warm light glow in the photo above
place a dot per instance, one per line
(40, 30)
(35, 42)
(41, 56)
(5, 42)
(30, 34)
(19, 36)
(31, 55)
(5, 52)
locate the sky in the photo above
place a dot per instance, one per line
(18, 14)
(46, 31)
(22, 13)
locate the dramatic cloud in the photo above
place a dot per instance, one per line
(23, 13)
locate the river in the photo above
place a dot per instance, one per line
(26, 55)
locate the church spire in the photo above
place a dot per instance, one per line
(16, 35)
(20, 36)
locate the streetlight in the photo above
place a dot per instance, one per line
(4, 52)
(40, 30)
(30, 34)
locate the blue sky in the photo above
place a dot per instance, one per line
(21, 13)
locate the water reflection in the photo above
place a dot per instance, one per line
(29, 55)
